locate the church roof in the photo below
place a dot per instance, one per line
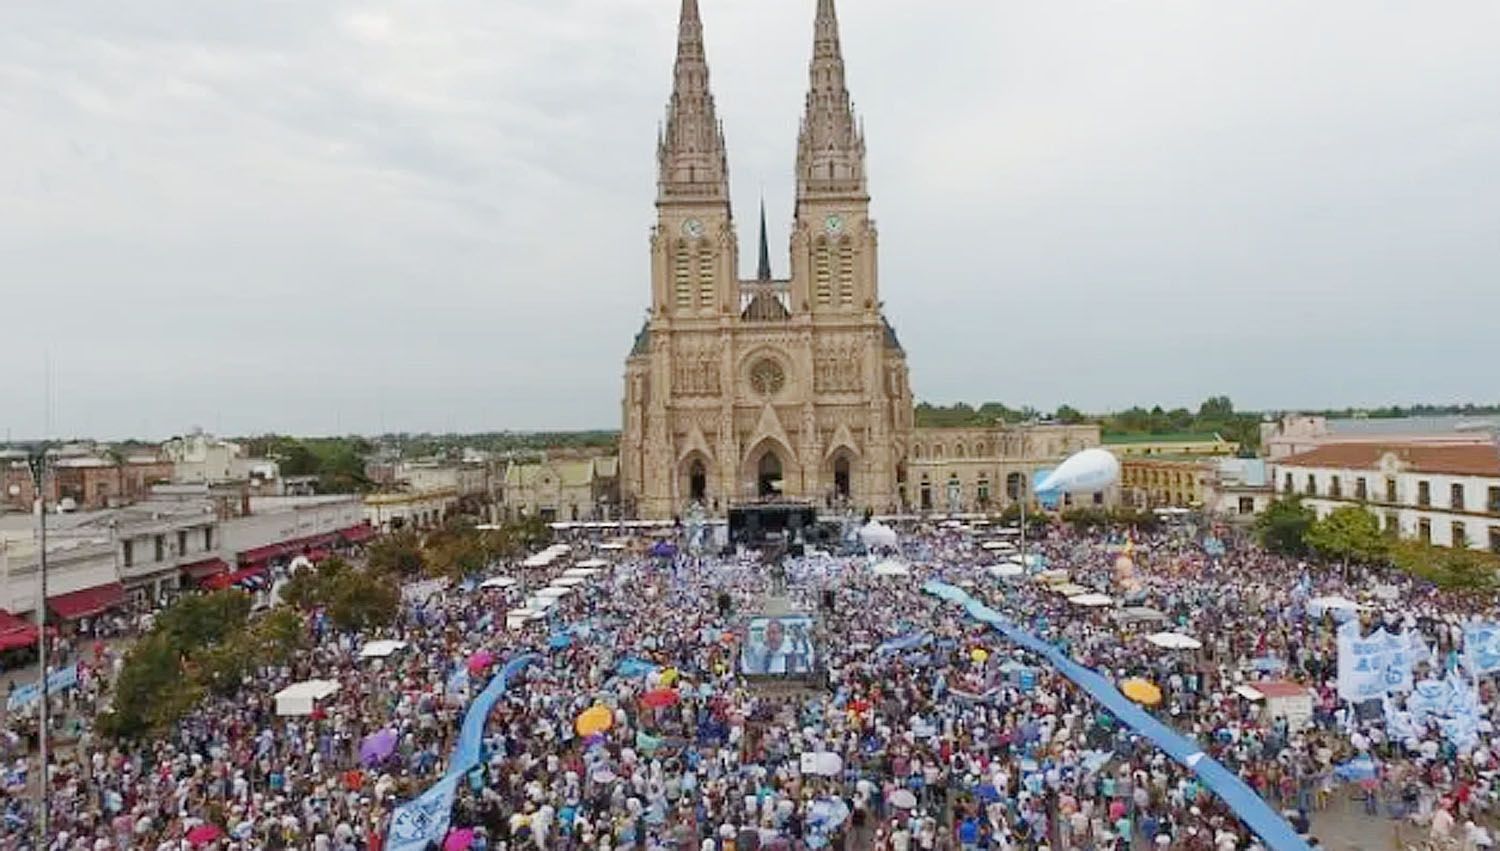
(642, 345)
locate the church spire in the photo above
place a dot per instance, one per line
(691, 158)
(831, 146)
(764, 272)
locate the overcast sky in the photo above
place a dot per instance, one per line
(314, 216)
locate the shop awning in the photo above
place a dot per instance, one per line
(88, 602)
(357, 534)
(224, 580)
(15, 631)
(200, 570)
(260, 554)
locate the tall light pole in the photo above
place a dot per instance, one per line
(40, 465)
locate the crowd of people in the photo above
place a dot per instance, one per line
(919, 729)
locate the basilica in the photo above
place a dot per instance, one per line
(796, 388)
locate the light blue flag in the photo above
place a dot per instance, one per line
(1482, 648)
(424, 820)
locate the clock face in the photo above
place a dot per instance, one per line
(692, 228)
(834, 224)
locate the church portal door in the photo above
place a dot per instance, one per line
(768, 479)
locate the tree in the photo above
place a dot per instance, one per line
(1282, 527)
(1068, 415)
(1216, 409)
(203, 620)
(1453, 569)
(152, 691)
(1348, 534)
(361, 601)
(399, 555)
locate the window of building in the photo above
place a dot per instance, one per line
(208, 538)
(161, 547)
(1494, 500)
(1456, 496)
(937, 452)
(846, 272)
(129, 553)
(1459, 536)
(1495, 539)
(1390, 490)
(1335, 488)
(1393, 523)
(705, 273)
(1424, 493)
(1424, 530)
(182, 542)
(1015, 485)
(958, 451)
(822, 274)
(1312, 485)
(1288, 487)
(982, 490)
(682, 281)
(1361, 489)
(925, 493)
(1247, 505)
(1098, 497)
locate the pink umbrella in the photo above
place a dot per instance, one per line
(480, 661)
(203, 834)
(459, 840)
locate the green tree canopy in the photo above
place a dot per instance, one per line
(1282, 527)
(1348, 534)
(399, 555)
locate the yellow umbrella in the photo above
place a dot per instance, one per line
(1141, 691)
(979, 654)
(595, 719)
(669, 676)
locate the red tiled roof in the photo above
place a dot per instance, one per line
(1457, 459)
(88, 602)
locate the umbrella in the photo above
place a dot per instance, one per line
(459, 840)
(1359, 768)
(1174, 641)
(979, 654)
(859, 705)
(659, 698)
(1141, 691)
(664, 549)
(203, 834)
(481, 661)
(988, 792)
(903, 799)
(377, 747)
(595, 719)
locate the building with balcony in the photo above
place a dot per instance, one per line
(1443, 494)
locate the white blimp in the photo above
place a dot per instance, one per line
(1087, 471)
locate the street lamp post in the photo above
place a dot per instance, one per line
(40, 468)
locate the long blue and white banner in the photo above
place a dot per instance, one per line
(425, 819)
(60, 679)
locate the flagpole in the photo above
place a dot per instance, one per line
(39, 469)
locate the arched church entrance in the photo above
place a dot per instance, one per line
(841, 477)
(768, 475)
(697, 481)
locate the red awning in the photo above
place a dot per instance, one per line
(318, 554)
(260, 554)
(356, 534)
(224, 580)
(88, 602)
(200, 570)
(15, 631)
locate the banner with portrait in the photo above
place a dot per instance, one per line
(778, 646)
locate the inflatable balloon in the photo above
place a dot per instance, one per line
(1088, 471)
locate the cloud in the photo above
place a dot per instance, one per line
(347, 216)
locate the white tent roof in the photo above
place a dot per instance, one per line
(301, 698)
(1005, 571)
(498, 582)
(1174, 641)
(568, 581)
(891, 568)
(612, 546)
(554, 592)
(1091, 600)
(593, 562)
(1333, 603)
(582, 572)
(539, 560)
(877, 534)
(998, 545)
(380, 649)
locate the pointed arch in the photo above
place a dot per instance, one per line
(769, 458)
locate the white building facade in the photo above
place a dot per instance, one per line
(1447, 495)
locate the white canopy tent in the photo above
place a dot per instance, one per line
(498, 582)
(877, 534)
(998, 545)
(891, 568)
(539, 603)
(1174, 641)
(1092, 601)
(593, 563)
(569, 581)
(517, 618)
(582, 572)
(541, 559)
(1005, 571)
(381, 649)
(301, 699)
(553, 591)
(612, 546)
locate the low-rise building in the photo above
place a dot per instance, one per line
(959, 470)
(564, 487)
(86, 482)
(1443, 494)
(1298, 433)
(1175, 445)
(199, 458)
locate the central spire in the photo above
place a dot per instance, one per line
(764, 272)
(831, 148)
(691, 158)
